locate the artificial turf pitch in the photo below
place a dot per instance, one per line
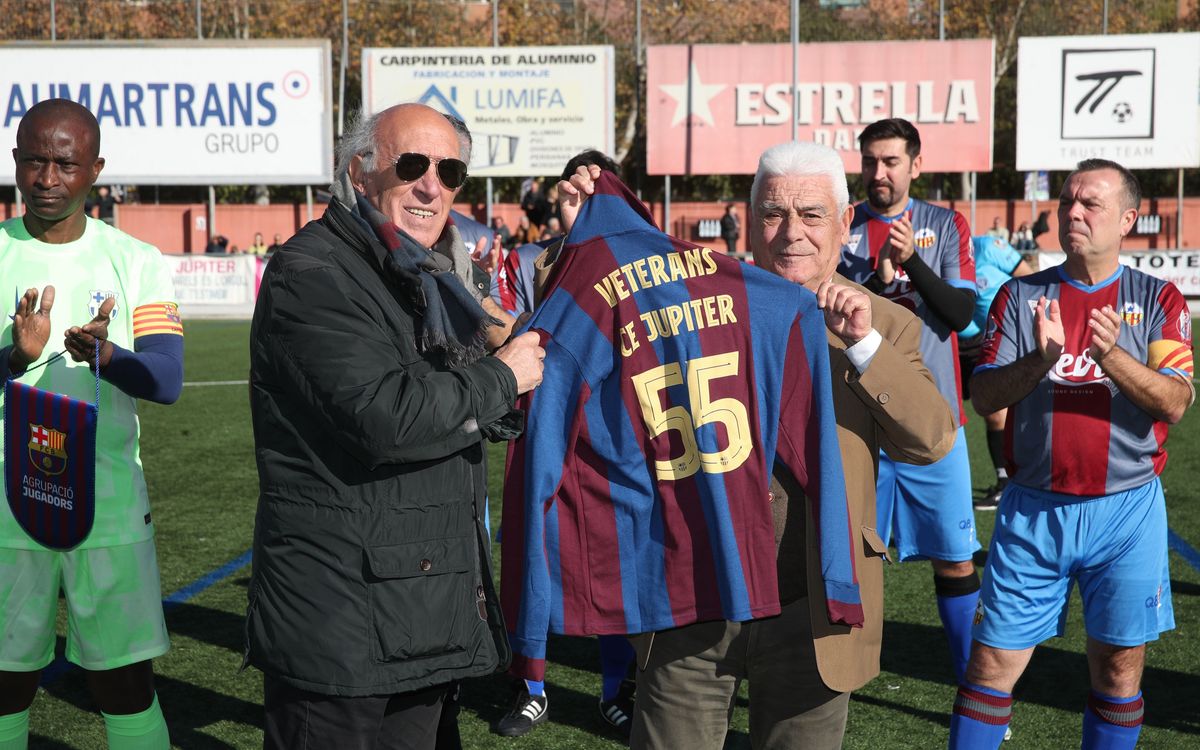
(199, 464)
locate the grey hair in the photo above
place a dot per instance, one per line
(802, 159)
(359, 140)
(464, 137)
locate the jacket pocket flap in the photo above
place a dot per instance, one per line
(872, 542)
(424, 558)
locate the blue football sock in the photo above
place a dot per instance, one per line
(536, 687)
(1112, 723)
(956, 602)
(616, 654)
(980, 717)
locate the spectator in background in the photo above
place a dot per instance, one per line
(1022, 239)
(555, 211)
(217, 244)
(526, 233)
(731, 229)
(258, 247)
(104, 204)
(535, 205)
(472, 231)
(1041, 226)
(998, 229)
(500, 227)
(553, 229)
(276, 243)
(518, 283)
(235, 250)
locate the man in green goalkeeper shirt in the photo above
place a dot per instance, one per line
(78, 283)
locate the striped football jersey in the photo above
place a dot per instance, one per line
(1077, 433)
(675, 377)
(942, 239)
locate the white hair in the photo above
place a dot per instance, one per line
(802, 159)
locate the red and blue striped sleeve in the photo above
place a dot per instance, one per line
(1170, 349)
(576, 333)
(958, 257)
(1000, 334)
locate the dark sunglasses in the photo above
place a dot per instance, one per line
(411, 166)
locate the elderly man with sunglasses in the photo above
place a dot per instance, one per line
(371, 391)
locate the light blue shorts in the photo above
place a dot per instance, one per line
(114, 606)
(1115, 546)
(926, 510)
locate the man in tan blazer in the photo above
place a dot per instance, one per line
(801, 668)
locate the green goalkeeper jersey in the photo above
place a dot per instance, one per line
(104, 262)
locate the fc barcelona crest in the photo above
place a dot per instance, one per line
(96, 298)
(47, 449)
(50, 464)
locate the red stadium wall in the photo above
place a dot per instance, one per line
(183, 228)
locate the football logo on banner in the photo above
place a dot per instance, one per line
(47, 449)
(50, 464)
(1108, 93)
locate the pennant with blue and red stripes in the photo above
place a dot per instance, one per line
(50, 464)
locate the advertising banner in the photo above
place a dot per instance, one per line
(529, 109)
(713, 109)
(1180, 267)
(1134, 99)
(185, 112)
(216, 286)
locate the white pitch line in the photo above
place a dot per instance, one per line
(198, 383)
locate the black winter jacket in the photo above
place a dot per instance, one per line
(371, 572)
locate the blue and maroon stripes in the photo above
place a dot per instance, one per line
(1093, 439)
(1123, 712)
(1084, 409)
(942, 240)
(982, 705)
(56, 525)
(595, 541)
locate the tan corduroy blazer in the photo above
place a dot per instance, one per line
(895, 406)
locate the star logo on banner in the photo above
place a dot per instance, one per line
(701, 94)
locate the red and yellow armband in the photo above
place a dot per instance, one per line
(157, 317)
